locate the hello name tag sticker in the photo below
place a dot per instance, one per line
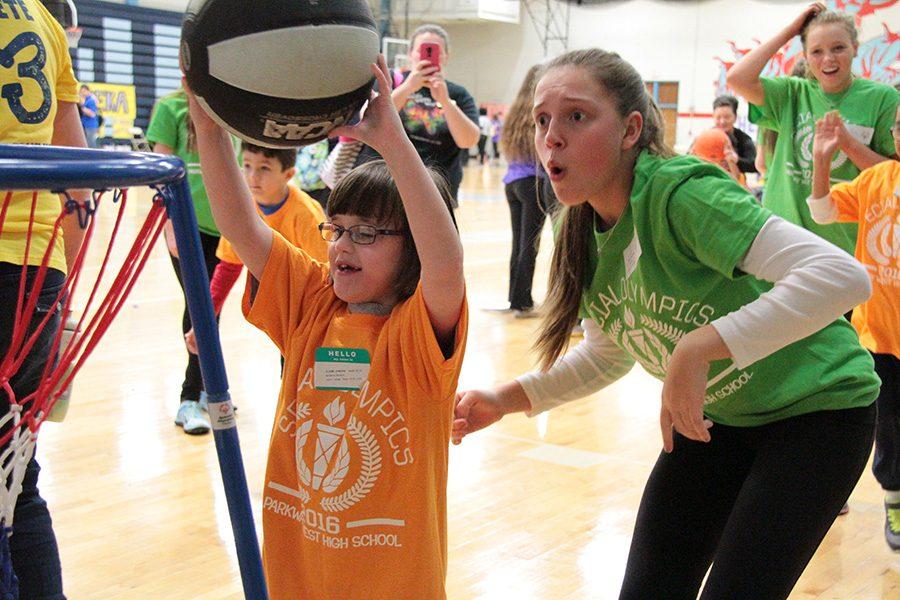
(341, 368)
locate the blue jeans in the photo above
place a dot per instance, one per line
(35, 555)
(90, 135)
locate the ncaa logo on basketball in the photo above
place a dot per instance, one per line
(300, 132)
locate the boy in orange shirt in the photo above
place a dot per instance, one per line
(873, 201)
(354, 504)
(286, 209)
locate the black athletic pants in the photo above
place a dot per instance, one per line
(886, 462)
(527, 214)
(755, 502)
(193, 379)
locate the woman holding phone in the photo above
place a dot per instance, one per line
(439, 116)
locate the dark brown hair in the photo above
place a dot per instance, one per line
(568, 271)
(369, 191)
(286, 156)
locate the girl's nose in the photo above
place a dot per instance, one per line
(553, 139)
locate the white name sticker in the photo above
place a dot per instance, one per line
(860, 132)
(631, 255)
(341, 368)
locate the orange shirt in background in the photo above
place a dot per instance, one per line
(354, 504)
(298, 221)
(872, 201)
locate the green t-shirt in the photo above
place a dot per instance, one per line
(792, 107)
(669, 266)
(168, 126)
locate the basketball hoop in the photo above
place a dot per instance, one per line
(26, 172)
(74, 36)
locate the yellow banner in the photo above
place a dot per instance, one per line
(118, 107)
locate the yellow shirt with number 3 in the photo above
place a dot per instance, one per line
(35, 74)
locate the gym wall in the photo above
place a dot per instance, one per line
(129, 45)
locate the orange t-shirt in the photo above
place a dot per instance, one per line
(354, 504)
(297, 220)
(873, 201)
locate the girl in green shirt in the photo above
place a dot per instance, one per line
(792, 105)
(171, 132)
(766, 412)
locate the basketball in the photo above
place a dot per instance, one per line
(279, 74)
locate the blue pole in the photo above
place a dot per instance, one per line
(221, 414)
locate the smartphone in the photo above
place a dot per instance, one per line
(431, 52)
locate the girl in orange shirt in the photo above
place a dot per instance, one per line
(354, 504)
(872, 199)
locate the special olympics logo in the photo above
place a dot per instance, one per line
(331, 462)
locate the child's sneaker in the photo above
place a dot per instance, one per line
(892, 525)
(192, 418)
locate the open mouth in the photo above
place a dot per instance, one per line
(555, 171)
(830, 71)
(346, 269)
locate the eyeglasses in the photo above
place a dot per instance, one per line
(361, 234)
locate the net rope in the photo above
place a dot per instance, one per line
(20, 424)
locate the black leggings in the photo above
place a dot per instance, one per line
(527, 213)
(886, 462)
(193, 379)
(755, 502)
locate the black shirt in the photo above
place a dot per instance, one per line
(427, 128)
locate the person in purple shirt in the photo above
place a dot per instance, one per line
(528, 207)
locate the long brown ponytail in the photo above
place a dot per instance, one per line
(569, 267)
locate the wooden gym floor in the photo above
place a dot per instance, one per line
(539, 508)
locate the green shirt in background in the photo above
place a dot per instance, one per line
(792, 107)
(168, 125)
(669, 266)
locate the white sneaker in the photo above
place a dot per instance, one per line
(192, 418)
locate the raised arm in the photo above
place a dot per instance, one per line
(437, 241)
(825, 144)
(743, 77)
(232, 206)
(465, 132)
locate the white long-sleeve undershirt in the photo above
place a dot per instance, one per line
(815, 283)
(823, 210)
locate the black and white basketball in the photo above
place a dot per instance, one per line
(279, 73)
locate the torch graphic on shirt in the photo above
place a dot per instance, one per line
(327, 440)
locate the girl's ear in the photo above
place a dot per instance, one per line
(634, 125)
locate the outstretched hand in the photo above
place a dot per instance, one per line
(827, 138)
(475, 409)
(380, 126)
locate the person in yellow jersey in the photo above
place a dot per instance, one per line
(38, 105)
